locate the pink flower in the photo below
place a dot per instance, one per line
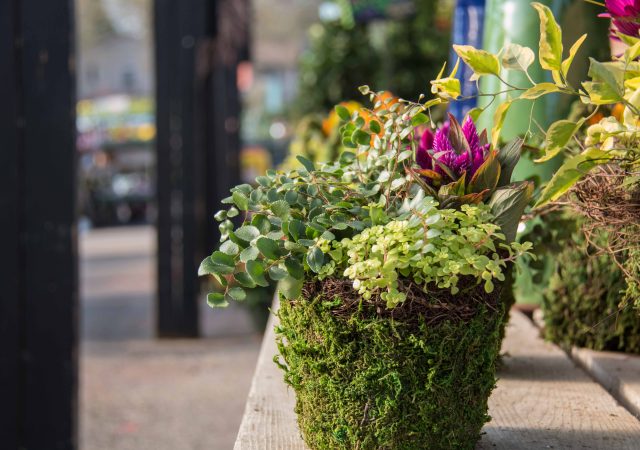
(625, 16)
(443, 155)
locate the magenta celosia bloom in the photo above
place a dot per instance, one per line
(625, 15)
(442, 149)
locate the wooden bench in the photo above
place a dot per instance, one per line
(619, 373)
(542, 400)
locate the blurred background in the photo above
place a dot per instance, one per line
(126, 122)
(296, 60)
(288, 63)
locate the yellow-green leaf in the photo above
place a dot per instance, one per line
(550, 52)
(566, 64)
(516, 57)
(632, 52)
(480, 61)
(455, 69)
(558, 136)
(630, 119)
(447, 88)
(475, 113)
(570, 172)
(629, 40)
(610, 74)
(498, 122)
(539, 90)
(601, 93)
(441, 71)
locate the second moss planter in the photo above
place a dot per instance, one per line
(366, 378)
(583, 305)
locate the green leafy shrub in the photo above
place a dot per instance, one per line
(289, 217)
(370, 382)
(401, 54)
(584, 303)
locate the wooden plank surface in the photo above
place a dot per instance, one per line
(619, 373)
(543, 400)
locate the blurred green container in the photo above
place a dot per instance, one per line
(515, 21)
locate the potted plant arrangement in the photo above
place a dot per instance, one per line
(390, 262)
(594, 297)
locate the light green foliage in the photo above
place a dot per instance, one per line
(433, 247)
(570, 172)
(369, 382)
(610, 82)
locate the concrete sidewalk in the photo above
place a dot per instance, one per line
(141, 393)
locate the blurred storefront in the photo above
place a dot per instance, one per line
(117, 163)
(115, 113)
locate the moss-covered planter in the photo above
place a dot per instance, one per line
(416, 377)
(584, 303)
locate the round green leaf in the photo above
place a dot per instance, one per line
(374, 126)
(294, 267)
(261, 222)
(277, 273)
(296, 229)
(216, 300)
(315, 259)
(237, 293)
(281, 209)
(230, 248)
(206, 267)
(222, 259)
(343, 112)
(306, 163)
(244, 280)
(247, 233)
(249, 254)
(241, 200)
(255, 269)
(360, 137)
(268, 247)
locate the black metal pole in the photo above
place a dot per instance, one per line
(38, 269)
(198, 46)
(179, 35)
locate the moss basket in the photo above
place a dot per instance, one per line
(584, 303)
(414, 377)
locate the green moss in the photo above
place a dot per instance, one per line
(632, 267)
(363, 381)
(584, 303)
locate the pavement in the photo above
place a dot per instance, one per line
(138, 392)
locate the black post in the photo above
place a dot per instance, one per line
(180, 33)
(198, 46)
(39, 295)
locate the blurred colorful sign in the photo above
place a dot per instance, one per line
(114, 119)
